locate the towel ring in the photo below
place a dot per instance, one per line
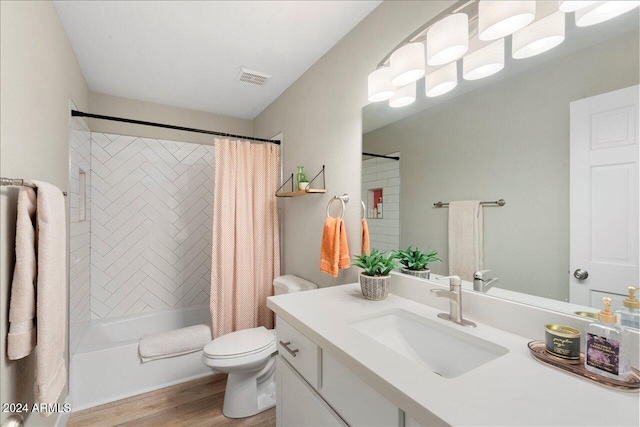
(343, 199)
(364, 209)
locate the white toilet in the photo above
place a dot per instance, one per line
(248, 356)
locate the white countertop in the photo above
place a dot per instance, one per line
(512, 390)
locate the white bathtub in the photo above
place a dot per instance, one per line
(106, 365)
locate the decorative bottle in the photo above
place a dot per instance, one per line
(606, 350)
(300, 176)
(630, 312)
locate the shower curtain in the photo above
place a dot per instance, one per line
(246, 238)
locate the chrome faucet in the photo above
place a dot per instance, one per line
(455, 301)
(481, 284)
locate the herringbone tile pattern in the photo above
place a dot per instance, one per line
(152, 207)
(80, 232)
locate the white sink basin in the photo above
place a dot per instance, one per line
(442, 349)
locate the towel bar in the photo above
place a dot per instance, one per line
(17, 182)
(500, 202)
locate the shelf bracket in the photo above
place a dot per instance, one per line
(314, 178)
(285, 183)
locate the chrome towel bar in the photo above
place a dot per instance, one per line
(500, 202)
(17, 182)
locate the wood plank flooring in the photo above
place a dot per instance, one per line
(194, 403)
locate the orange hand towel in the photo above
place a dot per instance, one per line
(334, 252)
(345, 260)
(366, 248)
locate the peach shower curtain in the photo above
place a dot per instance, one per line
(246, 238)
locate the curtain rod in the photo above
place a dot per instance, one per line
(380, 155)
(76, 113)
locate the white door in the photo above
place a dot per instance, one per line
(604, 196)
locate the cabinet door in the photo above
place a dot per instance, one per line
(297, 404)
(356, 402)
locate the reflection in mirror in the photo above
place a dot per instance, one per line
(556, 136)
(381, 198)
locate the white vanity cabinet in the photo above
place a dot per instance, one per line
(314, 389)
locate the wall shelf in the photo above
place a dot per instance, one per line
(302, 192)
(296, 193)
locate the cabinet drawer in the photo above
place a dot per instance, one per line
(353, 399)
(300, 352)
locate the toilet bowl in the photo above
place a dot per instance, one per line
(248, 356)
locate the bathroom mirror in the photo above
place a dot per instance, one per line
(507, 137)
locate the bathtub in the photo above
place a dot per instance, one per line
(106, 365)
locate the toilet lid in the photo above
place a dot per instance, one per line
(241, 342)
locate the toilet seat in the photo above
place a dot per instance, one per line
(240, 344)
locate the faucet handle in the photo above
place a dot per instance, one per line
(453, 280)
(480, 274)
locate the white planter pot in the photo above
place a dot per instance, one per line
(375, 288)
(423, 274)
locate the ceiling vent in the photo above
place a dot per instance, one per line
(254, 78)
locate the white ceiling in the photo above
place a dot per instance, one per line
(189, 53)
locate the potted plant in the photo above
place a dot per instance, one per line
(374, 280)
(415, 261)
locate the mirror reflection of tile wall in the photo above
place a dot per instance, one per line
(384, 224)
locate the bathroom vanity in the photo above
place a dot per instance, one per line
(344, 360)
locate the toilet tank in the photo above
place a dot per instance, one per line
(290, 283)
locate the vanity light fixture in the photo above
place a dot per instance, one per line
(568, 6)
(407, 64)
(497, 19)
(441, 81)
(603, 11)
(380, 87)
(484, 61)
(539, 37)
(448, 39)
(404, 96)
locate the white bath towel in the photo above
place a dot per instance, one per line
(174, 343)
(51, 293)
(22, 310)
(466, 253)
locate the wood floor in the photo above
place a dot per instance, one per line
(194, 403)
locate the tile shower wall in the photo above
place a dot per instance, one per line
(79, 230)
(152, 207)
(384, 233)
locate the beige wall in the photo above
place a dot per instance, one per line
(39, 74)
(109, 105)
(508, 140)
(320, 117)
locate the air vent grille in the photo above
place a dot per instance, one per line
(254, 78)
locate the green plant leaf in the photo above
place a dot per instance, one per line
(375, 263)
(415, 259)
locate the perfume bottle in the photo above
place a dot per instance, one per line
(606, 350)
(630, 312)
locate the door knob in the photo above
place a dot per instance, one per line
(580, 274)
